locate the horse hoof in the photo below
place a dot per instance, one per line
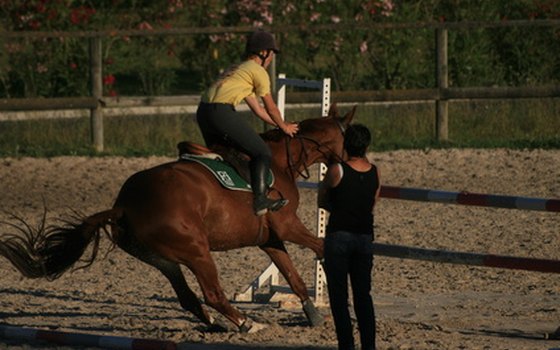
(554, 335)
(217, 327)
(255, 327)
(313, 315)
(250, 326)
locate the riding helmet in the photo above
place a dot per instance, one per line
(261, 40)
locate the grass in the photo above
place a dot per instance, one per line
(524, 123)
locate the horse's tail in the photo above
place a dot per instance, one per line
(49, 251)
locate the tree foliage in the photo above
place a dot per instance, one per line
(353, 58)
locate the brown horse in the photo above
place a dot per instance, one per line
(176, 213)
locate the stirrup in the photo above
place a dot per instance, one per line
(263, 204)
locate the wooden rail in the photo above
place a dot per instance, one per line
(441, 94)
(34, 104)
(464, 25)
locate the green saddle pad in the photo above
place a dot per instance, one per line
(224, 172)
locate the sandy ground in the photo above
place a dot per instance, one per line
(419, 305)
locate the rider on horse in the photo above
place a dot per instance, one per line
(221, 125)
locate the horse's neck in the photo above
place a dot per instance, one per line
(294, 157)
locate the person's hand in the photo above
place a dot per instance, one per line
(290, 129)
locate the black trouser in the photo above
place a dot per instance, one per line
(221, 124)
(350, 254)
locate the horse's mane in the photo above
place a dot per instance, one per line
(306, 126)
(273, 135)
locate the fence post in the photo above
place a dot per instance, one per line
(96, 76)
(442, 130)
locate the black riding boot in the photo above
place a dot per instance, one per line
(261, 204)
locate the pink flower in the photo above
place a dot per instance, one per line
(41, 68)
(109, 79)
(81, 14)
(363, 46)
(52, 14)
(175, 4)
(288, 9)
(34, 24)
(13, 48)
(41, 8)
(145, 26)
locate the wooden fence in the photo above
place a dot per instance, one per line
(440, 94)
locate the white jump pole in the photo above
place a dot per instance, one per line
(320, 278)
(271, 272)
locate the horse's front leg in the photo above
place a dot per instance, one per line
(279, 256)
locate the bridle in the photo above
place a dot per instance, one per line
(304, 153)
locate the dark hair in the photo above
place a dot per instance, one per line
(356, 140)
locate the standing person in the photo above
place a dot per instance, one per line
(350, 191)
(221, 124)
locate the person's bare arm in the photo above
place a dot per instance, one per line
(378, 191)
(258, 110)
(270, 113)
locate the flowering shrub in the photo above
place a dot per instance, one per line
(354, 59)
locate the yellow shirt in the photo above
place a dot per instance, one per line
(238, 82)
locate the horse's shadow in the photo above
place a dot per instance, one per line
(287, 318)
(42, 293)
(50, 317)
(509, 333)
(216, 346)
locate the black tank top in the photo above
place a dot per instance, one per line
(352, 201)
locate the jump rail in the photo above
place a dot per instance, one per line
(468, 198)
(462, 258)
(463, 198)
(83, 339)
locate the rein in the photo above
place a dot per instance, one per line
(304, 154)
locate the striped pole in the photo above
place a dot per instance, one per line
(462, 258)
(83, 339)
(463, 198)
(468, 198)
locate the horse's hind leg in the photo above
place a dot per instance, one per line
(188, 300)
(279, 256)
(172, 271)
(207, 275)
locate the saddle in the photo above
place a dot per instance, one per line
(236, 159)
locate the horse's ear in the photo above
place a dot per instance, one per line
(333, 110)
(349, 116)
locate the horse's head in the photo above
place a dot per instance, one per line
(327, 135)
(318, 140)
